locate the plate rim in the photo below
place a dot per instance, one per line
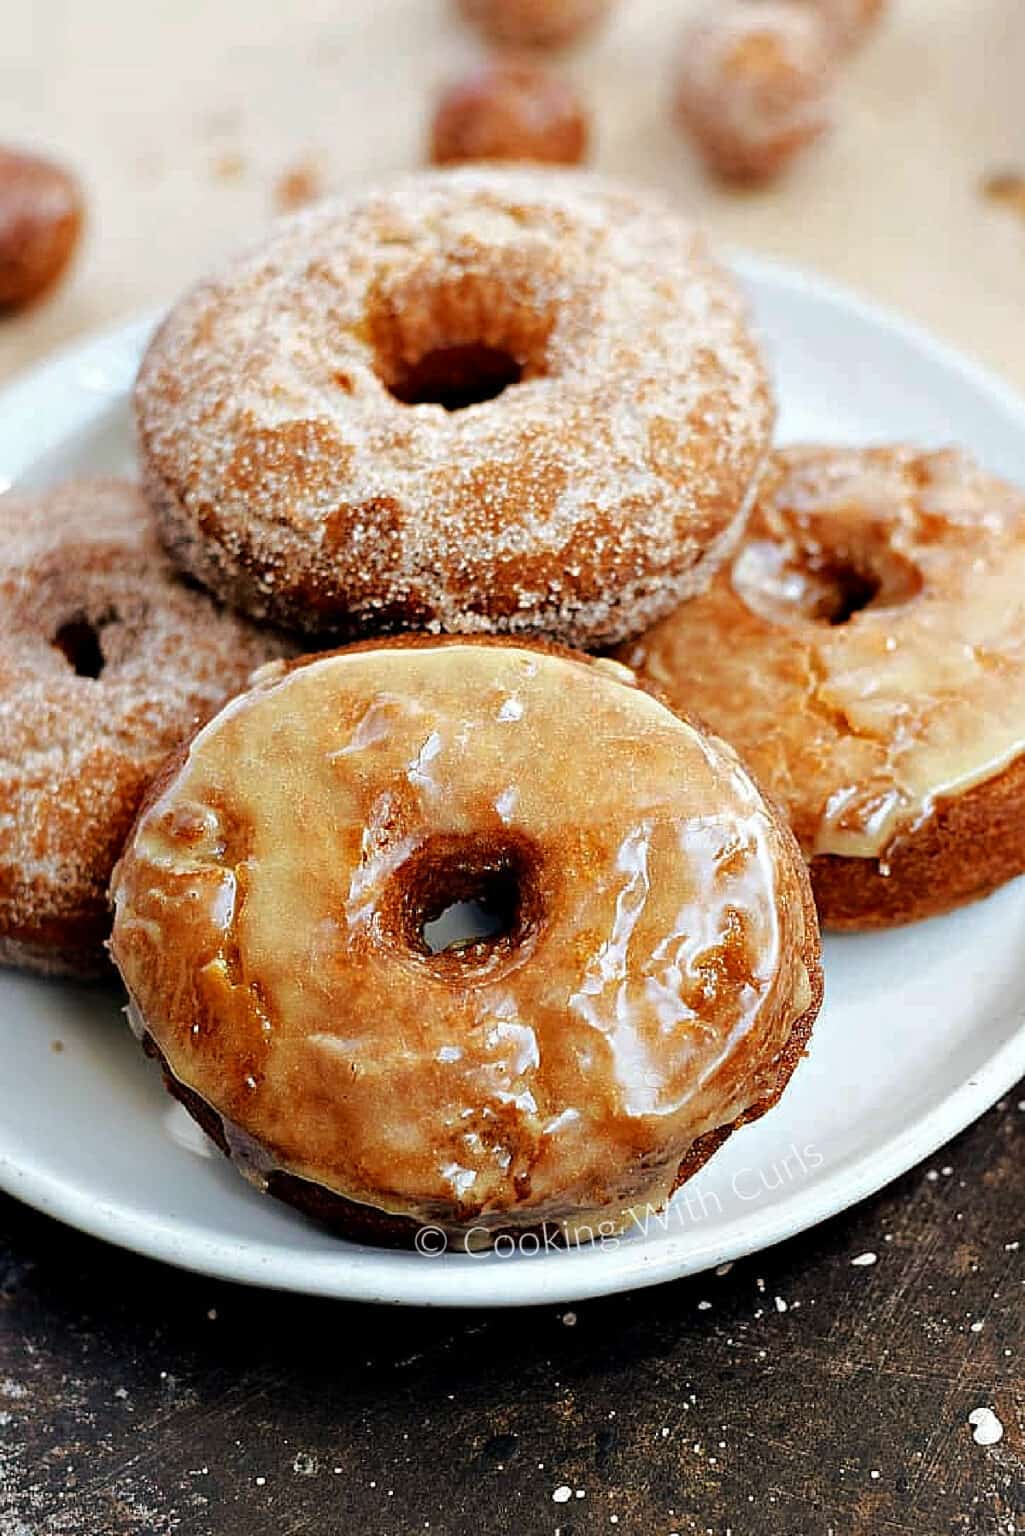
(382, 1276)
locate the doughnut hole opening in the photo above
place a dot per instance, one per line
(79, 642)
(465, 906)
(456, 345)
(457, 377)
(846, 590)
(828, 587)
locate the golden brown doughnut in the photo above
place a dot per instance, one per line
(649, 983)
(41, 216)
(482, 399)
(106, 660)
(865, 653)
(534, 23)
(510, 109)
(753, 85)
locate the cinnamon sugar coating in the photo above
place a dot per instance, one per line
(753, 87)
(534, 23)
(477, 400)
(41, 215)
(106, 660)
(510, 109)
(652, 984)
(865, 653)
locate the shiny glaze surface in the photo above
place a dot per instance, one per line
(859, 726)
(267, 915)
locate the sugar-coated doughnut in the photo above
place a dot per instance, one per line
(753, 85)
(649, 981)
(865, 653)
(534, 23)
(41, 214)
(510, 109)
(107, 660)
(482, 399)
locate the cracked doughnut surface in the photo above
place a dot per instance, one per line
(650, 984)
(107, 659)
(865, 653)
(478, 400)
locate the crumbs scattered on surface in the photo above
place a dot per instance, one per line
(1006, 188)
(986, 1427)
(229, 167)
(300, 184)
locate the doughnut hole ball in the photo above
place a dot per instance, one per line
(534, 23)
(41, 215)
(510, 109)
(753, 86)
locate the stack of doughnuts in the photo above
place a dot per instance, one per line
(488, 414)
(437, 915)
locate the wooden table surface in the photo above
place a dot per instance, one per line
(799, 1394)
(135, 1401)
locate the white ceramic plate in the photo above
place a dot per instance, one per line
(922, 1028)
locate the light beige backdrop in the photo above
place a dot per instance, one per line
(182, 117)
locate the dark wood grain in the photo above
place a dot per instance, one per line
(136, 1401)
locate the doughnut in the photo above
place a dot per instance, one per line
(645, 981)
(40, 223)
(510, 109)
(865, 654)
(753, 85)
(106, 661)
(481, 400)
(534, 23)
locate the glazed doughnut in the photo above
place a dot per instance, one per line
(648, 983)
(534, 23)
(41, 216)
(753, 88)
(510, 109)
(106, 661)
(865, 653)
(328, 439)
